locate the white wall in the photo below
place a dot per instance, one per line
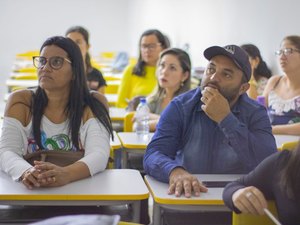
(117, 24)
(25, 25)
(203, 23)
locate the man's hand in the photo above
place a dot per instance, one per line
(183, 182)
(250, 200)
(215, 105)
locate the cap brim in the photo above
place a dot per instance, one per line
(211, 52)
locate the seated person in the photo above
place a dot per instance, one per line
(282, 93)
(216, 128)
(95, 78)
(174, 78)
(276, 178)
(61, 114)
(140, 79)
(260, 71)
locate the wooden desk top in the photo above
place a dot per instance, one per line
(110, 185)
(131, 140)
(159, 191)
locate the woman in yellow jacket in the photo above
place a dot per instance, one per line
(140, 79)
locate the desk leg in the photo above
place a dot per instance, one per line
(136, 206)
(124, 158)
(156, 214)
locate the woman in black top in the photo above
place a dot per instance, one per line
(94, 77)
(276, 178)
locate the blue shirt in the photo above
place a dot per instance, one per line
(186, 137)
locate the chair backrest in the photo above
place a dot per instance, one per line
(288, 145)
(127, 126)
(246, 219)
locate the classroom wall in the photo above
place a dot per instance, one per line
(116, 25)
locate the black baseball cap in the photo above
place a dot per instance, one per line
(235, 53)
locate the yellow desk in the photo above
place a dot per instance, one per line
(210, 201)
(110, 187)
(132, 142)
(280, 139)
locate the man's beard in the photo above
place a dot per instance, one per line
(229, 93)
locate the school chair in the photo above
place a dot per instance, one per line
(288, 145)
(127, 125)
(246, 219)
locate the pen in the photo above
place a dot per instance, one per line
(269, 214)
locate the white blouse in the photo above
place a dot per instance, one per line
(17, 140)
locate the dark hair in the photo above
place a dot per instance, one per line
(290, 176)
(79, 96)
(186, 66)
(262, 68)
(85, 34)
(294, 39)
(165, 42)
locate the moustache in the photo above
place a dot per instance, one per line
(212, 85)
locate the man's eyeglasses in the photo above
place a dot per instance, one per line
(55, 62)
(150, 46)
(286, 51)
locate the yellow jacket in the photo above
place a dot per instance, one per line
(133, 85)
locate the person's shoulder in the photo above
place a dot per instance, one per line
(246, 102)
(19, 105)
(272, 80)
(129, 68)
(20, 96)
(88, 113)
(100, 97)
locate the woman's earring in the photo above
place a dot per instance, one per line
(182, 83)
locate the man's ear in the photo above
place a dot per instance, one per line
(244, 87)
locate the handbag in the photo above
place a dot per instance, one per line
(57, 157)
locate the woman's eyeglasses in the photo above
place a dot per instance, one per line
(286, 51)
(151, 47)
(55, 62)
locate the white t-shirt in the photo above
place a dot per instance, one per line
(17, 140)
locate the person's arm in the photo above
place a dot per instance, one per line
(153, 120)
(249, 193)
(289, 129)
(249, 135)
(159, 158)
(95, 140)
(124, 88)
(252, 140)
(16, 118)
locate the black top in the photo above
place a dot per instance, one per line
(96, 76)
(265, 177)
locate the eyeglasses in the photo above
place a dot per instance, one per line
(286, 51)
(55, 62)
(150, 46)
